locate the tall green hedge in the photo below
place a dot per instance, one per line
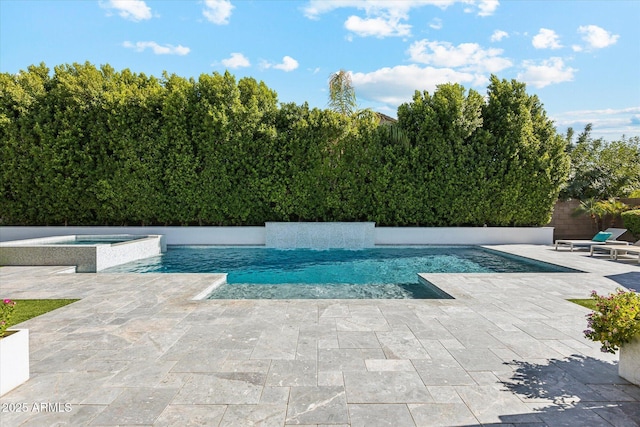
(94, 146)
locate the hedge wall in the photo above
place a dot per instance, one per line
(93, 146)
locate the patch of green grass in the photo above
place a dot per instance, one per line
(590, 303)
(29, 308)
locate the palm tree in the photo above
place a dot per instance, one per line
(342, 99)
(342, 95)
(613, 208)
(593, 208)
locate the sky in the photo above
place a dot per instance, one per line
(580, 57)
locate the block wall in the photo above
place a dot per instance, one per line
(566, 226)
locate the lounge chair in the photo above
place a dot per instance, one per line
(607, 236)
(609, 247)
(626, 250)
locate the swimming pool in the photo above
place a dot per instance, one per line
(382, 272)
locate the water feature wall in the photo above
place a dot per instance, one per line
(320, 235)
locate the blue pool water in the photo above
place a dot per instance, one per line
(385, 272)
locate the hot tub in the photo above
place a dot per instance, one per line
(88, 253)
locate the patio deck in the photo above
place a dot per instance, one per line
(136, 350)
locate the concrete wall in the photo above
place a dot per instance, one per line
(463, 235)
(122, 253)
(564, 225)
(256, 236)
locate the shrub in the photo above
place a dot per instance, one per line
(617, 320)
(631, 221)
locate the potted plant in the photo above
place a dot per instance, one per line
(616, 324)
(14, 351)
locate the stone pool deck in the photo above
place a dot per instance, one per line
(136, 350)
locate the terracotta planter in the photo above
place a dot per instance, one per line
(629, 365)
(14, 359)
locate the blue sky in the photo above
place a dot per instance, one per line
(582, 58)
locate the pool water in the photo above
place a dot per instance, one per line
(384, 272)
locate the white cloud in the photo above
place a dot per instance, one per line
(385, 18)
(377, 27)
(157, 49)
(488, 7)
(467, 56)
(237, 60)
(549, 71)
(287, 64)
(498, 35)
(608, 123)
(217, 11)
(315, 8)
(626, 112)
(546, 39)
(436, 24)
(397, 84)
(597, 37)
(134, 10)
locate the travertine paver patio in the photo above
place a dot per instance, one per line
(136, 350)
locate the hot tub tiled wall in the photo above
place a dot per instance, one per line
(320, 235)
(87, 259)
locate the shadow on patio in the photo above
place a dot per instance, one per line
(577, 390)
(630, 280)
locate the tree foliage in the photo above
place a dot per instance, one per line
(94, 146)
(502, 156)
(601, 169)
